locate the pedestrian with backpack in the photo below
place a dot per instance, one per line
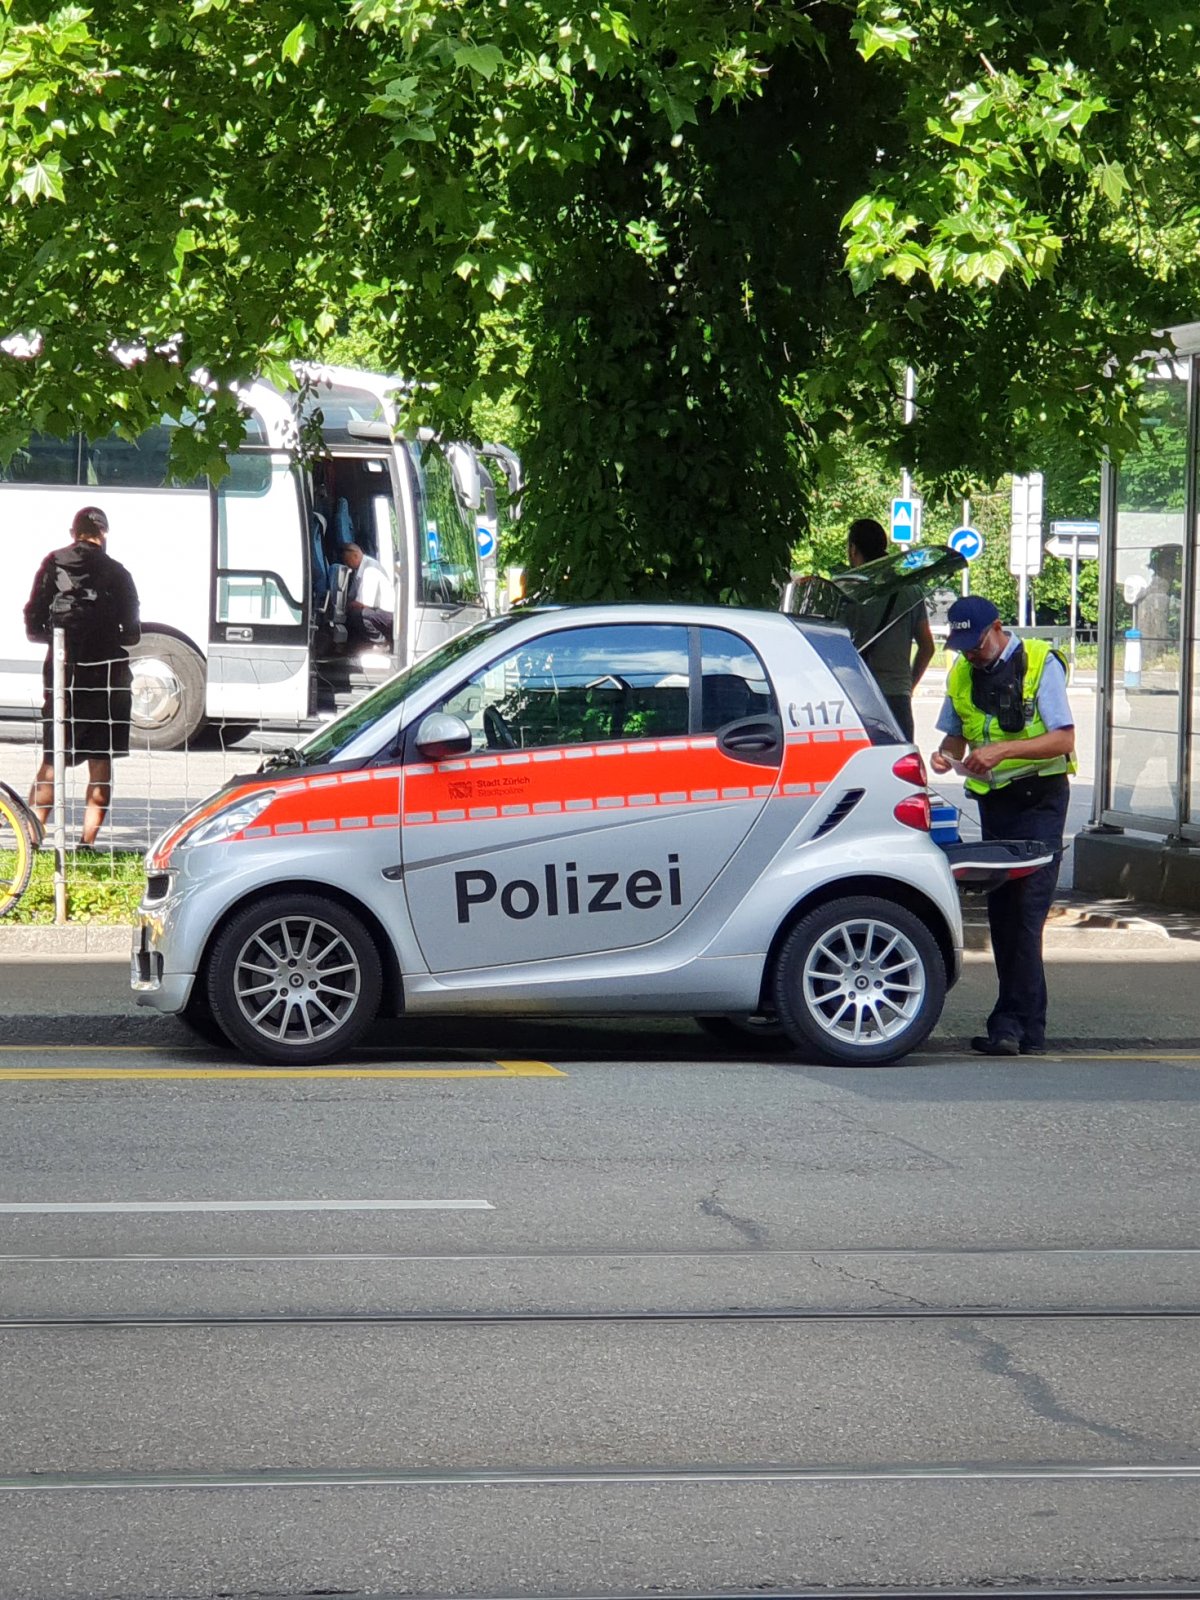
(885, 631)
(82, 590)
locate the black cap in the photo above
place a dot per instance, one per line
(89, 522)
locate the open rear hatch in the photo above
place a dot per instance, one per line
(983, 867)
(843, 596)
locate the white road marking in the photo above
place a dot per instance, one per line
(483, 1477)
(560, 1257)
(30, 1208)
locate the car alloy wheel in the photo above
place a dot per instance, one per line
(860, 980)
(295, 978)
(863, 981)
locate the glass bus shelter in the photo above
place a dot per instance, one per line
(1143, 841)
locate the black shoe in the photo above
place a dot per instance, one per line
(1005, 1045)
(1032, 1049)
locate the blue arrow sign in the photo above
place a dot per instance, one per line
(903, 522)
(966, 542)
(485, 541)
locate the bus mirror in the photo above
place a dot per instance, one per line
(441, 735)
(468, 480)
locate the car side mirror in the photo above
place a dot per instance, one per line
(441, 735)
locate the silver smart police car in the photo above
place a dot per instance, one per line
(625, 808)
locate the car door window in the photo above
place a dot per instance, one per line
(733, 681)
(580, 686)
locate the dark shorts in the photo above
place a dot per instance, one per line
(98, 710)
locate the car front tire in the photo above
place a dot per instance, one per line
(294, 979)
(859, 982)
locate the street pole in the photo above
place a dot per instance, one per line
(910, 411)
(1022, 597)
(59, 705)
(1074, 596)
(966, 571)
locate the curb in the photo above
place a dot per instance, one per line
(77, 939)
(1124, 939)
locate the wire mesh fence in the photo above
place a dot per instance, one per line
(117, 792)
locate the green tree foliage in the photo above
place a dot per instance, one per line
(697, 239)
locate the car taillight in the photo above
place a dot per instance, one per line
(913, 811)
(911, 768)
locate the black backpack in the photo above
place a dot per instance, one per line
(73, 606)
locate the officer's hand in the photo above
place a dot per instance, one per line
(986, 757)
(940, 762)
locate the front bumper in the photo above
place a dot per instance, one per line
(153, 986)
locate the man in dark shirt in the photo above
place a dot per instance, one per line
(895, 624)
(81, 589)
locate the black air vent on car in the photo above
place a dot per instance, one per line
(840, 811)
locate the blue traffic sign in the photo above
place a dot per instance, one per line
(904, 521)
(966, 542)
(485, 541)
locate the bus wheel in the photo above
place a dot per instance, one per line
(168, 692)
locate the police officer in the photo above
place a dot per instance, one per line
(1007, 720)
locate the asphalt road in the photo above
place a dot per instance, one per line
(540, 1312)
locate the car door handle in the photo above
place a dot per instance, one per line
(758, 739)
(750, 741)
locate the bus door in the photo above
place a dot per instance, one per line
(358, 498)
(449, 591)
(259, 622)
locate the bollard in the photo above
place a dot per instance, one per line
(59, 694)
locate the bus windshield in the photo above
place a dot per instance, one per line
(328, 743)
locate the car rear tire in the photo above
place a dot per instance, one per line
(859, 982)
(294, 979)
(762, 1035)
(168, 692)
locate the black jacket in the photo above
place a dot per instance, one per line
(91, 596)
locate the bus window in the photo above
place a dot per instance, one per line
(449, 573)
(141, 463)
(46, 461)
(260, 549)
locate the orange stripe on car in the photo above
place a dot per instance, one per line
(635, 774)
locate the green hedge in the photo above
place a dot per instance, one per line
(102, 888)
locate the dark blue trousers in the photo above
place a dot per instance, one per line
(1034, 808)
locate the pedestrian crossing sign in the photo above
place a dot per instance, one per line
(906, 520)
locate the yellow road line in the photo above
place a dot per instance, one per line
(1097, 1056)
(1122, 1055)
(113, 1049)
(502, 1069)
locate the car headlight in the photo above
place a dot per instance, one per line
(226, 823)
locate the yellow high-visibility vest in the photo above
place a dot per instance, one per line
(980, 728)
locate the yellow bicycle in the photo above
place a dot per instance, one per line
(20, 836)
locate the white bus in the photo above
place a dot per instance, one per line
(238, 580)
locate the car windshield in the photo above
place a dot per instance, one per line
(328, 742)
